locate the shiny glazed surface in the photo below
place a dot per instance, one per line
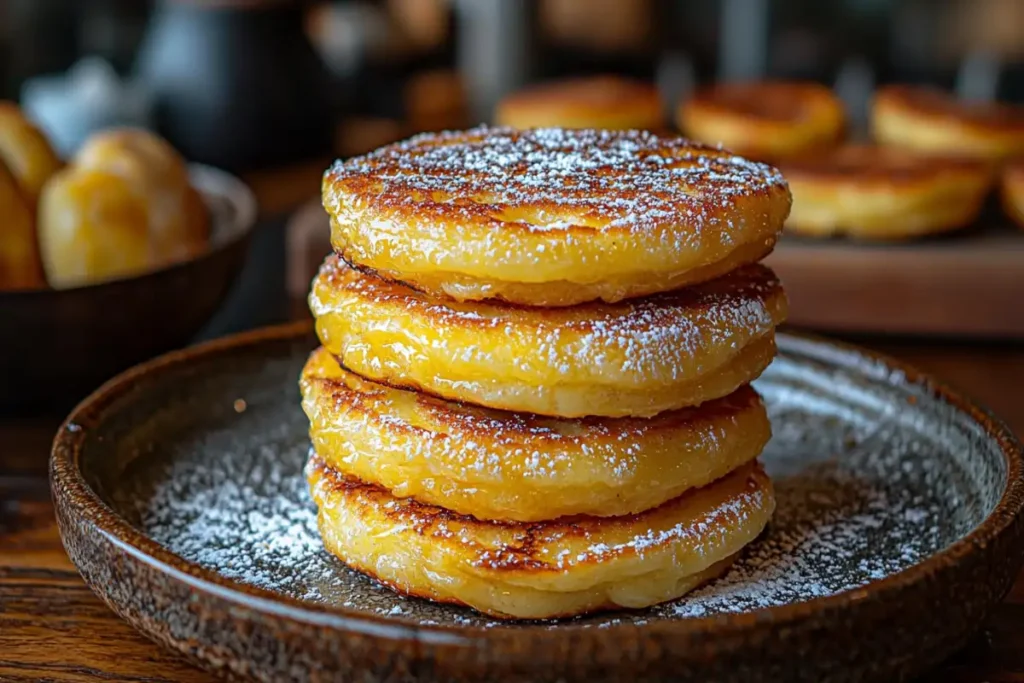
(552, 217)
(517, 466)
(632, 358)
(123, 207)
(547, 569)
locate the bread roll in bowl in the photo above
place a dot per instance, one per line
(19, 255)
(26, 152)
(124, 206)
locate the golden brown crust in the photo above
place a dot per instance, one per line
(884, 193)
(931, 121)
(552, 217)
(768, 120)
(609, 102)
(1012, 191)
(518, 466)
(560, 567)
(637, 357)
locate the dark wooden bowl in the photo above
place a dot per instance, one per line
(58, 345)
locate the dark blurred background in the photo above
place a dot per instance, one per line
(376, 50)
(274, 89)
(919, 40)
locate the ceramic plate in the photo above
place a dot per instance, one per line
(180, 498)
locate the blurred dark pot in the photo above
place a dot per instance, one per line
(237, 83)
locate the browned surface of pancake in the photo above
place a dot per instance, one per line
(561, 567)
(552, 217)
(635, 357)
(937, 104)
(502, 465)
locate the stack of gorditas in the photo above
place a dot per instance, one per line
(532, 395)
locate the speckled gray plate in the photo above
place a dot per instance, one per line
(181, 500)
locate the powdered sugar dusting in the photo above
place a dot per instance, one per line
(660, 338)
(550, 178)
(867, 482)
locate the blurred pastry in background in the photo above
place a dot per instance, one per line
(26, 153)
(767, 120)
(880, 193)
(930, 121)
(122, 207)
(92, 227)
(609, 102)
(19, 254)
(434, 101)
(1013, 191)
(178, 224)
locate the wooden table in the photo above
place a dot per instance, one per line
(52, 628)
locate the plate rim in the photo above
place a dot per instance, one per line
(71, 491)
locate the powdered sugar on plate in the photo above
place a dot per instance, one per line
(872, 475)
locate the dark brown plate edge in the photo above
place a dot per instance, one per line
(1003, 528)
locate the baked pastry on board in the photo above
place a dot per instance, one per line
(881, 193)
(767, 120)
(609, 102)
(931, 121)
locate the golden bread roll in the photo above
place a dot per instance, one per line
(26, 152)
(517, 466)
(541, 570)
(608, 102)
(123, 207)
(19, 253)
(1012, 191)
(930, 121)
(178, 223)
(632, 358)
(766, 120)
(93, 226)
(552, 217)
(883, 193)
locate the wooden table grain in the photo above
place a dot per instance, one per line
(52, 628)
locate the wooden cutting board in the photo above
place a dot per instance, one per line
(961, 285)
(967, 285)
